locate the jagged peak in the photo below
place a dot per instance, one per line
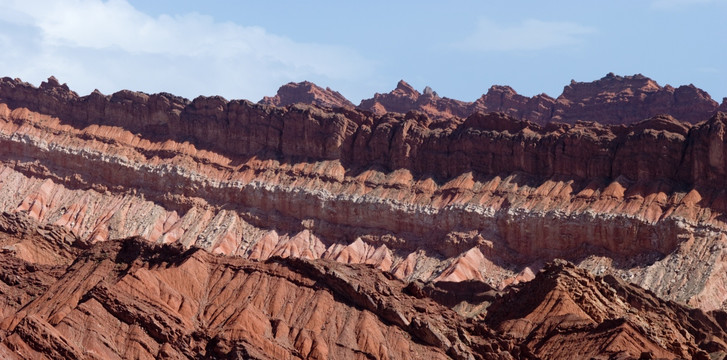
(307, 85)
(613, 99)
(403, 88)
(53, 83)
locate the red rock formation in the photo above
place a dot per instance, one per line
(133, 299)
(486, 197)
(624, 100)
(723, 106)
(45, 245)
(610, 100)
(537, 109)
(130, 299)
(486, 200)
(405, 98)
(566, 311)
(307, 93)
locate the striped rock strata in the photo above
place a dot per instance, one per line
(488, 197)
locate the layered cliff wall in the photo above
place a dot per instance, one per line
(359, 139)
(488, 197)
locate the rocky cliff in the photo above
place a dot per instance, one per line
(487, 198)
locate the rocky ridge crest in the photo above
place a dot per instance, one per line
(307, 93)
(612, 99)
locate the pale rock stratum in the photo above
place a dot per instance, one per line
(424, 196)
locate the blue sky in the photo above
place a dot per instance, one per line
(247, 49)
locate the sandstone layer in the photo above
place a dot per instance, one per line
(487, 198)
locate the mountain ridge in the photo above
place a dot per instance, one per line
(612, 99)
(486, 197)
(451, 218)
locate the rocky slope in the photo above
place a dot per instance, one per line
(566, 311)
(378, 233)
(132, 299)
(487, 198)
(610, 100)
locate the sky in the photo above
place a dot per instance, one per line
(248, 49)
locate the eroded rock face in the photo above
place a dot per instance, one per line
(488, 197)
(483, 202)
(566, 310)
(628, 99)
(405, 98)
(131, 299)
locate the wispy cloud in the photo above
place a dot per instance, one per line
(112, 44)
(528, 35)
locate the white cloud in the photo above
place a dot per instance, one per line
(528, 35)
(111, 45)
